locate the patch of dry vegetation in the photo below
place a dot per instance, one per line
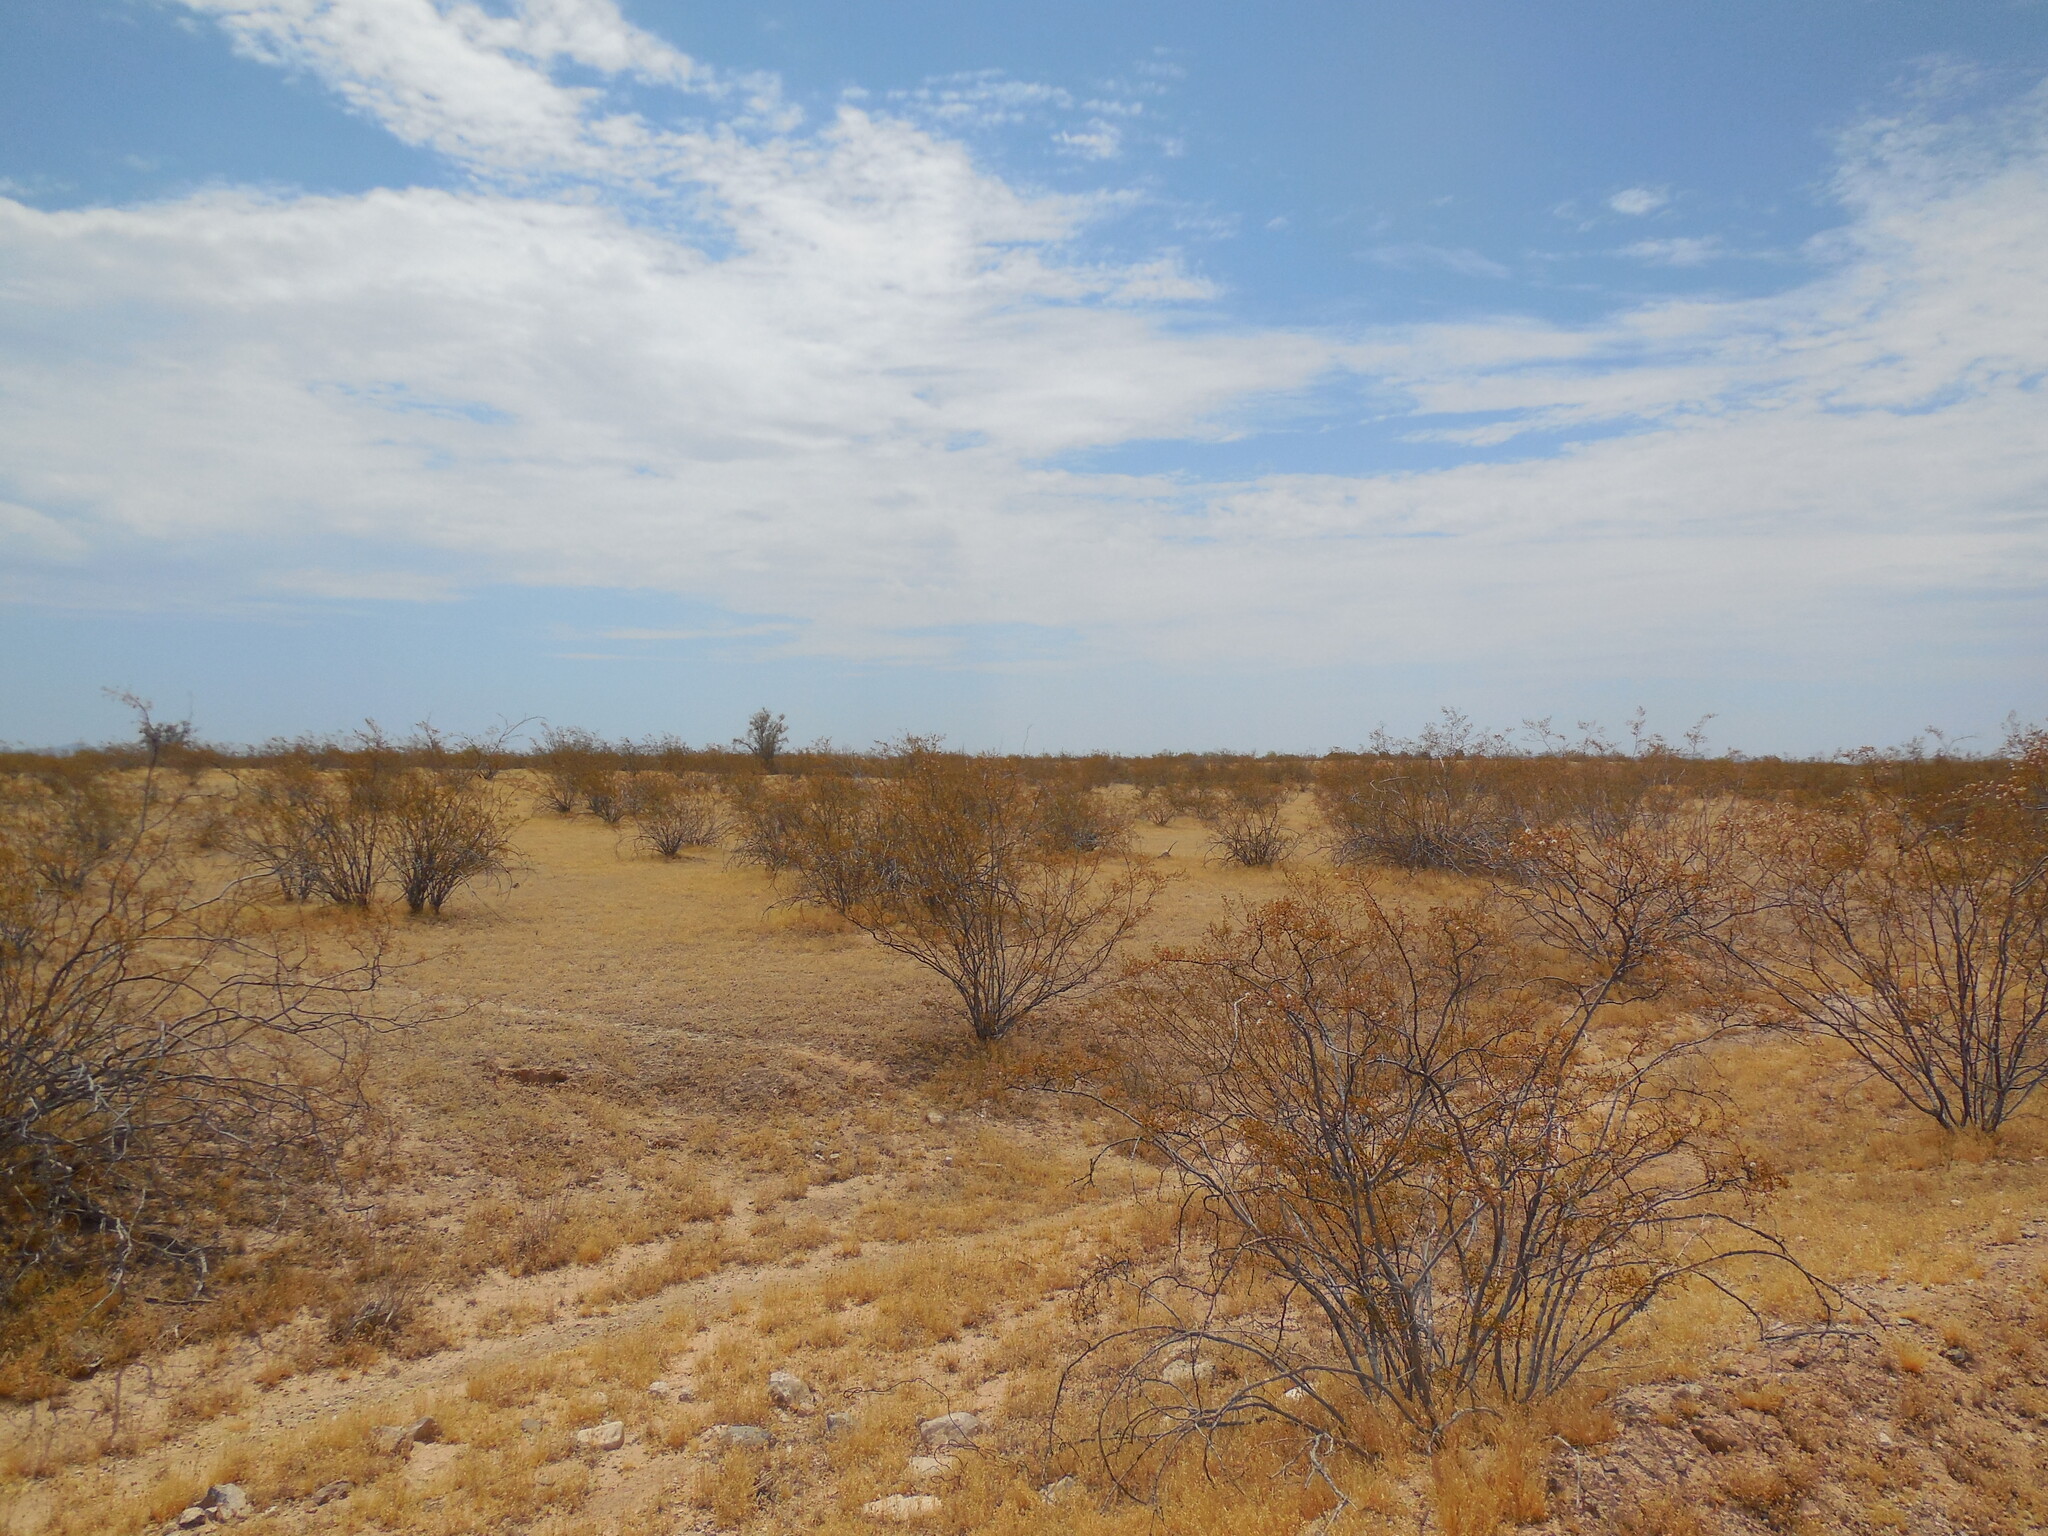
(653, 1137)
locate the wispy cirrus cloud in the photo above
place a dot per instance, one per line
(1678, 251)
(1459, 259)
(845, 388)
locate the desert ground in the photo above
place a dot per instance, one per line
(654, 1135)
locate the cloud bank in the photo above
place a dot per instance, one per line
(838, 376)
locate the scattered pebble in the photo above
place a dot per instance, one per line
(949, 1429)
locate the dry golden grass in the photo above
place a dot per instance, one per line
(772, 1146)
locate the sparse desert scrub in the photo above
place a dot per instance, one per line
(174, 1062)
(317, 832)
(943, 863)
(1077, 818)
(567, 760)
(1636, 902)
(672, 812)
(1441, 813)
(608, 794)
(1915, 931)
(1247, 817)
(1421, 1183)
(448, 832)
(343, 834)
(906, 1265)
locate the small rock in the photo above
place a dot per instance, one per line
(1720, 1438)
(657, 1389)
(1294, 1395)
(1187, 1373)
(225, 1502)
(608, 1436)
(1059, 1492)
(1884, 1439)
(949, 1429)
(327, 1493)
(933, 1117)
(393, 1439)
(428, 1461)
(930, 1469)
(1956, 1355)
(838, 1423)
(791, 1392)
(902, 1508)
(532, 1426)
(738, 1437)
(191, 1517)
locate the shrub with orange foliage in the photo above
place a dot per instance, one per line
(1420, 1178)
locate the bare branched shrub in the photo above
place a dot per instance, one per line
(169, 1061)
(1915, 931)
(80, 814)
(775, 819)
(1414, 1181)
(1633, 903)
(350, 832)
(566, 760)
(608, 795)
(1246, 817)
(1156, 805)
(671, 812)
(1415, 813)
(318, 833)
(447, 831)
(1074, 818)
(945, 863)
(274, 828)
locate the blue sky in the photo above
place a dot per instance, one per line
(1126, 375)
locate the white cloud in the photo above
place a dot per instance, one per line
(1462, 260)
(1637, 201)
(399, 586)
(1098, 141)
(983, 98)
(841, 403)
(31, 535)
(1681, 251)
(478, 86)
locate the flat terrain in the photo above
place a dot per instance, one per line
(659, 1136)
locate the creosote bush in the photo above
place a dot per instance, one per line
(171, 1059)
(342, 834)
(1424, 1173)
(671, 812)
(1075, 818)
(945, 862)
(446, 833)
(1914, 929)
(1246, 817)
